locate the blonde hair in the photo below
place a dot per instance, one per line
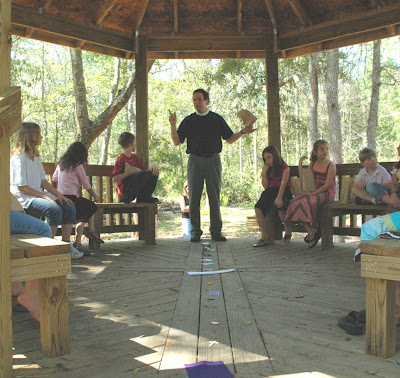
(184, 191)
(26, 140)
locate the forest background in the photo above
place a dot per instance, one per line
(349, 97)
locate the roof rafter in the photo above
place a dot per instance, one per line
(142, 12)
(176, 19)
(30, 18)
(103, 10)
(239, 16)
(300, 12)
(272, 16)
(366, 21)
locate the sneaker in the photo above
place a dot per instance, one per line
(218, 237)
(75, 254)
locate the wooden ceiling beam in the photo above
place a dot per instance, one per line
(103, 11)
(367, 21)
(30, 18)
(272, 15)
(206, 43)
(142, 12)
(239, 16)
(45, 6)
(340, 42)
(300, 12)
(176, 19)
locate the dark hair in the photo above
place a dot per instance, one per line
(76, 154)
(205, 93)
(313, 156)
(277, 161)
(125, 139)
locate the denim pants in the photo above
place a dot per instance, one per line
(377, 190)
(186, 228)
(21, 223)
(56, 213)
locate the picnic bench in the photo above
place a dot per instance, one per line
(344, 209)
(380, 265)
(113, 216)
(49, 261)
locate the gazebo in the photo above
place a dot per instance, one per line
(174, 29)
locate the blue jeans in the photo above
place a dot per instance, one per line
(21, 223)
(377, 190)
(56, 213)
(186, 228)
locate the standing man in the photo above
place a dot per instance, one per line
(204, 130)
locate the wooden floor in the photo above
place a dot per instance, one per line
(134, 311)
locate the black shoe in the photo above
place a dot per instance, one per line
(218, 237)
(195, 238)
(360, 201)
(353, 323)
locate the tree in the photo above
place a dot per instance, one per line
(312, 120)
(374, 104)
(332, 101)
(89, 130)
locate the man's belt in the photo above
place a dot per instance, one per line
(205, 155)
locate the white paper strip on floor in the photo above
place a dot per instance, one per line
(211, 272)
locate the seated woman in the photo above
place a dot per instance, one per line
(28, 184)
(27, 296)
(186, 225)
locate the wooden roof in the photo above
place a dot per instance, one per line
(206, 28)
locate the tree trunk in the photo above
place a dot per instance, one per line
(107, 133)
(312, 121)
(331, 85)
(373, 109)
(89, 130)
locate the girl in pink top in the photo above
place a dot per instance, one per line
(70, 176)
(305, 208)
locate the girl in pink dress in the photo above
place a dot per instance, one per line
(70, 176)
(305, 208)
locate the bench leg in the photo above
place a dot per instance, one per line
(98, 224)
(150, 225)
(380, 329)
(326, 230)
(54, 316)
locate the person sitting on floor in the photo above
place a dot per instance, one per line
(372, 172)
(132, 178)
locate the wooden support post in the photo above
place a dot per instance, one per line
(380, 317)
(54, 316)
(5, 280)
(272, 80)
(142, 105)
(326, 229)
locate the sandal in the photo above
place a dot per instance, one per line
(306, 239)
(353, 323)
(286, 239)
(260, 243)
(314, 241)
(92, 235)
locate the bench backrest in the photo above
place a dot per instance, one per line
(99, 177)
(344, 172)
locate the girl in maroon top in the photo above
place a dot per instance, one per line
(275, 180)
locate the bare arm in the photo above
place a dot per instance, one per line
(329, 179)
(51, 189)
(394, 190)
(285, 178)
(94, 194)
(247, 130)
(184, 208)
(174, 134)
(264, 176)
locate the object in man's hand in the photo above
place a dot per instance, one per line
(246, 117)
(130, 169)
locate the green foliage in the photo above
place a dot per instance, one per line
(44, 73)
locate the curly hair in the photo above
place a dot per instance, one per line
(26, 140)
(76, 154)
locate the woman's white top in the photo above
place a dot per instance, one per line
(26, 172)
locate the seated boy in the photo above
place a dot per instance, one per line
(132, 178)
(371, 173)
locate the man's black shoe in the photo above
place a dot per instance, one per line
(218, 237)
(195, 238)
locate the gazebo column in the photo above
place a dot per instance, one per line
(142, 101)
(271, 79)
(5, 281)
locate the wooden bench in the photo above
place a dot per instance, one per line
(345, 209)
(380, 265)
(49, 261)
(113, 216)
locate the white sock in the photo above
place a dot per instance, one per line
(373, 201)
